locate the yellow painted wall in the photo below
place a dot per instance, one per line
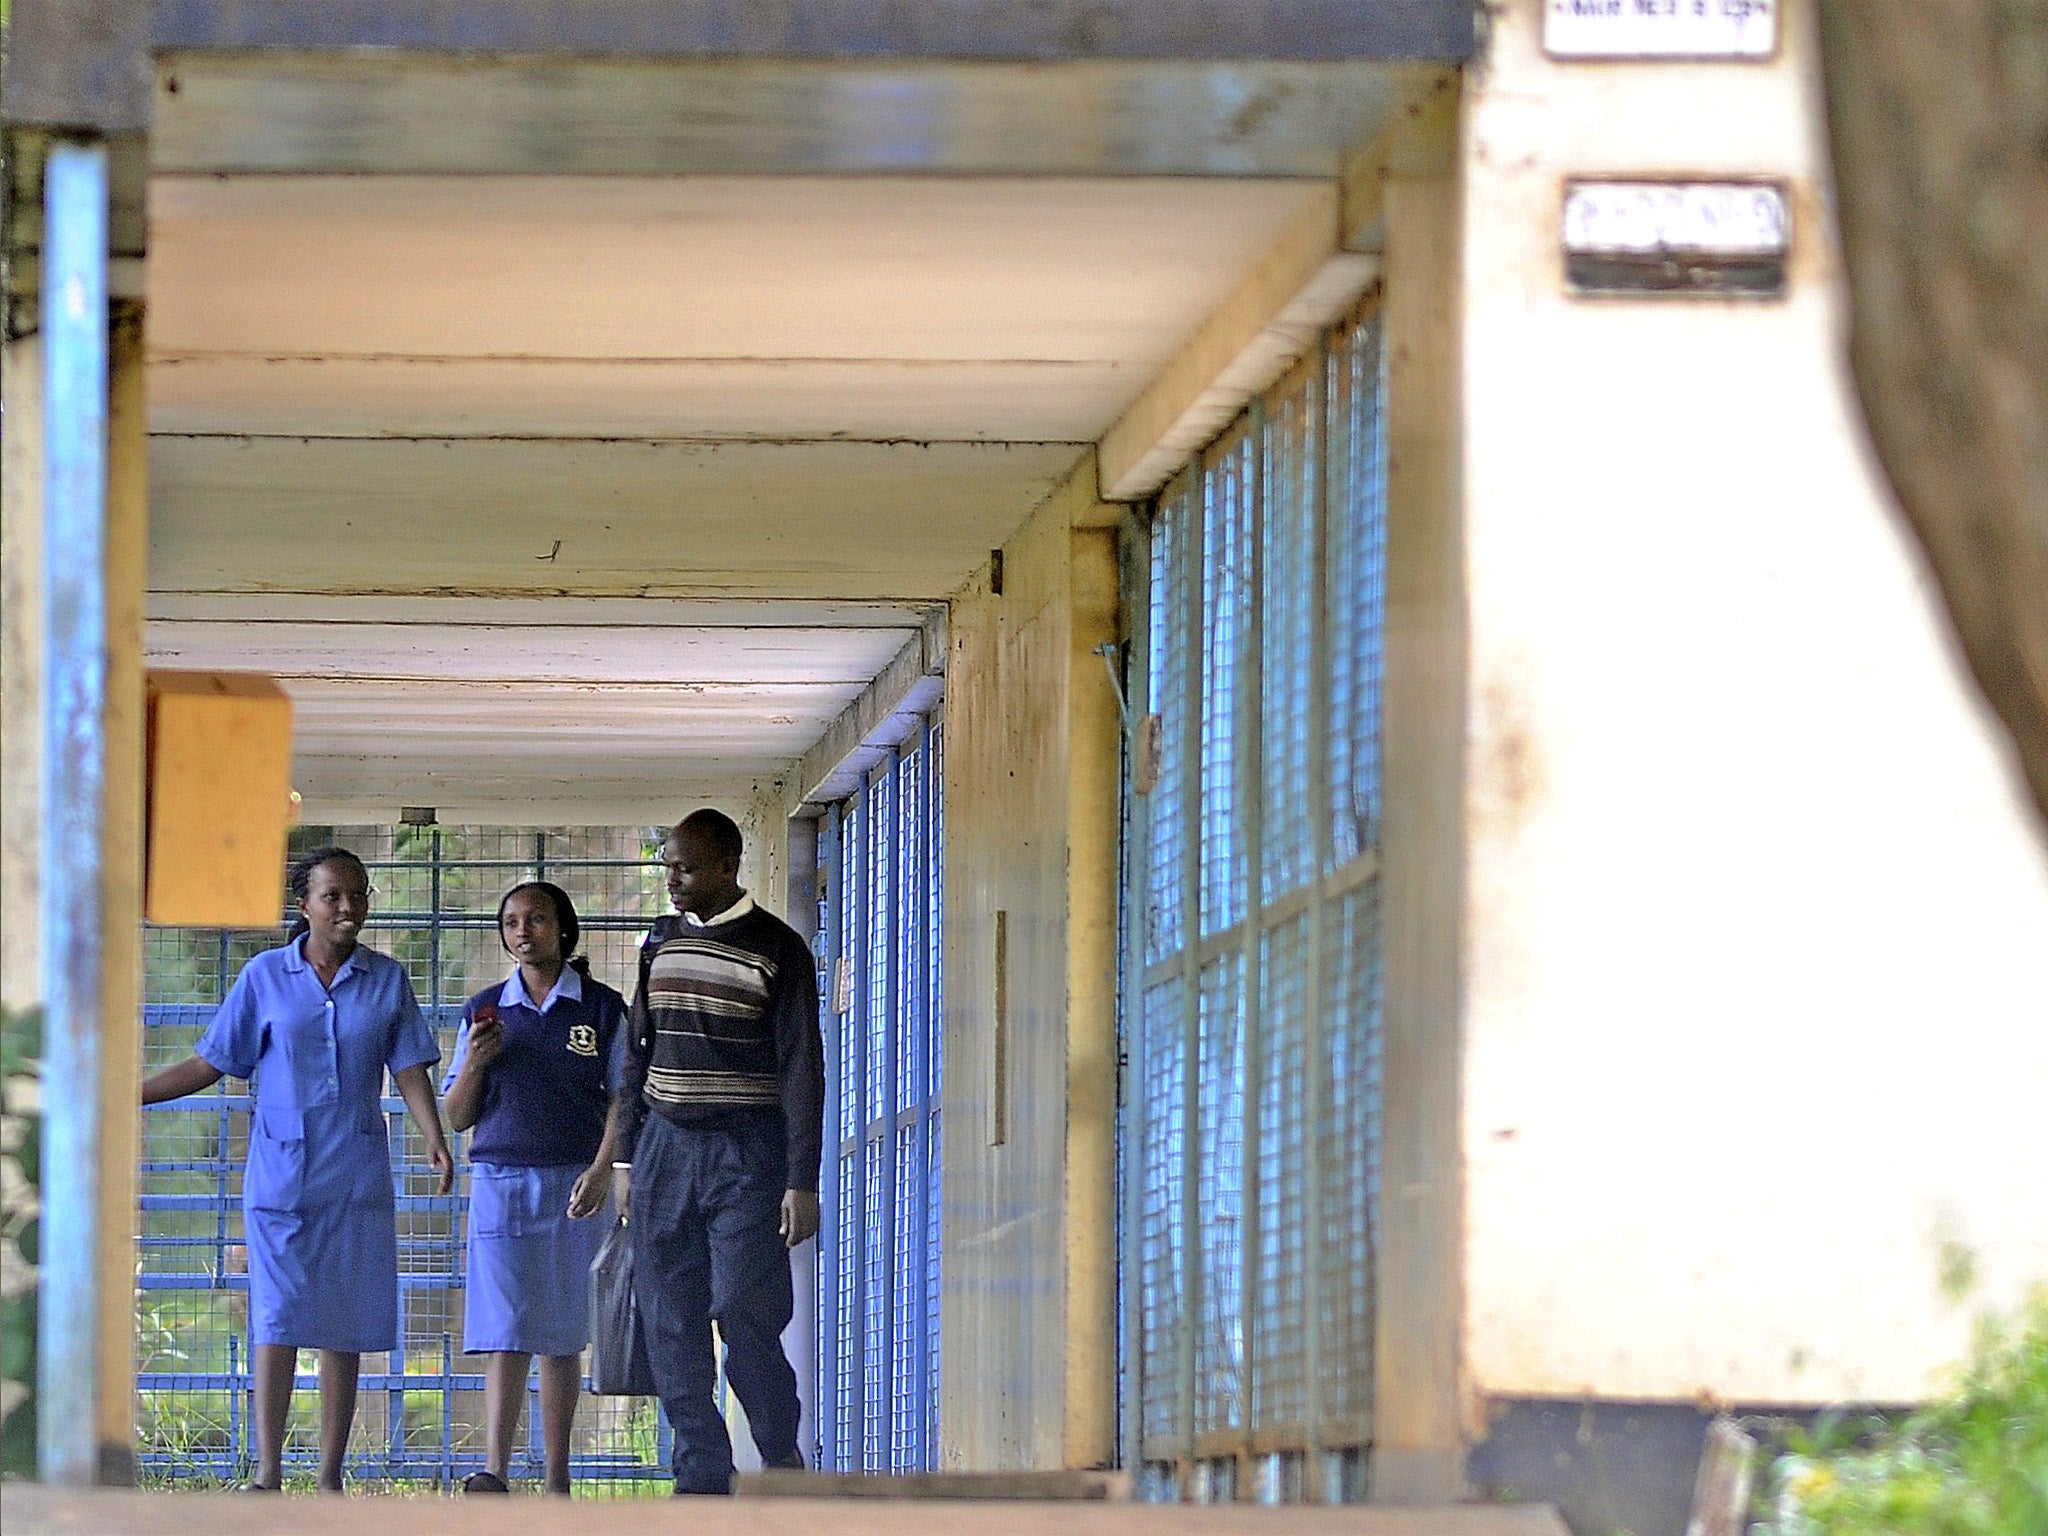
(1015, 678)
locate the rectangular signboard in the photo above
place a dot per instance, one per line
(1726, 238)
(1660, 29)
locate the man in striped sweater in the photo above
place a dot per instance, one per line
(725, 1067)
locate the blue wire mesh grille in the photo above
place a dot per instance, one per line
(1280, 1319)
(1356, 595)
(1162, 1246)
(1219, 1120)
(1350, 1167)
(874, 1452)
(879, 1255)
(906, 1406)
(1226, 631)
(1286, 665)
(1254, 1237)
(935, 1184)
(846, 1284)
(419, 1417)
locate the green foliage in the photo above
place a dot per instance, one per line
(21, 1049)
(1975, 1463)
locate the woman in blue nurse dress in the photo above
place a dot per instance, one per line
(532, 1081)
(314, 1027)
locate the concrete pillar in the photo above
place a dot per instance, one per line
(21, 671)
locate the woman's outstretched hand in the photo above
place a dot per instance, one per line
(191, 1075)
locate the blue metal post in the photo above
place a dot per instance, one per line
(73, 778)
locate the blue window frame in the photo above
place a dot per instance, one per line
(1252, 947)
(881, 861)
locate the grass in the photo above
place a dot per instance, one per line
(1974, 1463)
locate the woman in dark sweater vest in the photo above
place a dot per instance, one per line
(535, 1068)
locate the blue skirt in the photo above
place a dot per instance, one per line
(529, 1263)
(321, 1233)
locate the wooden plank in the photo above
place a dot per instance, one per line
(1416, 141)
(1419, 1274)
(886, 711)
(1094, 730)
(121, 887)
(1269, 323)
(337, 113)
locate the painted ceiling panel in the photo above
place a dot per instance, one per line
(1016, 399)
(948, 270)
(512, 652)
(853, 521)
(699, 450)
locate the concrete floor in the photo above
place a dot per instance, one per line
(37, 1511)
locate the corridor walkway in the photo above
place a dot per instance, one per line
(40, 1511)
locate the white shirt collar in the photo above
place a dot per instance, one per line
(739, 908)
(568, 985)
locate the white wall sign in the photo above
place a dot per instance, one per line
(1716, 218)
(1624, 237)
(1660, 29)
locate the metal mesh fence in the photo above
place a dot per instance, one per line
(420, 1412)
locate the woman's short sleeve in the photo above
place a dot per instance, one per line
(234, 1040)
(461, 1053)
(412, 1042)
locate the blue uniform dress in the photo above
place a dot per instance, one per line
(316, 1195)
(539, 1126)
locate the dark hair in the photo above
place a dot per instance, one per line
(565, 919)
(299, 880)
(716, 831)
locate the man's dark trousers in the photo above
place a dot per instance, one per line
(707, 1208)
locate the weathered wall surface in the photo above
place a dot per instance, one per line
(1757, 929)
(1013, 679)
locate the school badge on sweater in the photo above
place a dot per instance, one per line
(583, 1039)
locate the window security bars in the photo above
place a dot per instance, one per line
(1252, 950)
(881, 857)
(420, 1414)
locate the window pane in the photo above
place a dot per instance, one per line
(880, 1250)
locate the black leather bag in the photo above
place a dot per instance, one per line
(618, 1353)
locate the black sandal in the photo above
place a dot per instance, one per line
(259, 1488)
(484, 1482)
